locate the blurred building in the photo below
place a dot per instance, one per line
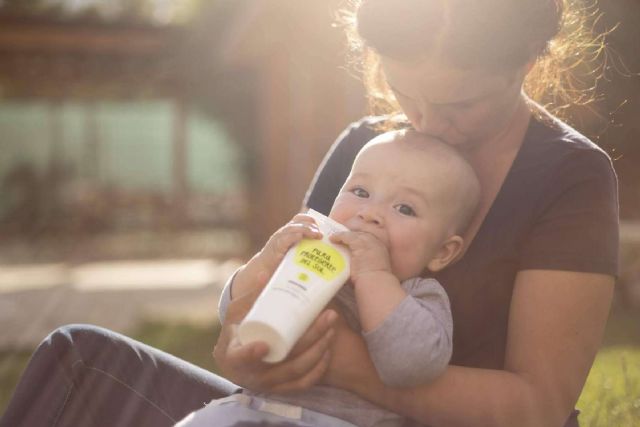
(304, 97)
(220, 123)
(126, 124)
(99, 133)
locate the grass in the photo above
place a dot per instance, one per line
(11, 366)
(610, 398)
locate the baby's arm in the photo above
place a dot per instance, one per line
(408, 326)
(413, 345)
(378, 291)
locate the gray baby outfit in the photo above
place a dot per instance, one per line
(412, 346)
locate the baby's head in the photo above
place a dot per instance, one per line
(414, 193)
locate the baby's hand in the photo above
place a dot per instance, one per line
(255, 274)
(368, 254)
(302, 226)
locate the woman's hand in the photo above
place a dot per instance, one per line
(243, 365)
(351, 367)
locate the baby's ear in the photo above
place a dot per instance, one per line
(448, 252)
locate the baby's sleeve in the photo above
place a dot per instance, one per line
(225, 297)
(414, 343)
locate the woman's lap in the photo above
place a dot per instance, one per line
(85, 375)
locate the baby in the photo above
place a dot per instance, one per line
(407, 203)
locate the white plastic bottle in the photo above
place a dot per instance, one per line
(303, 284)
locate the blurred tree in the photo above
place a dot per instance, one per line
(137, 10)
(27, 7)
(23, 5)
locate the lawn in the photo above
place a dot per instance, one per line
(611, 396)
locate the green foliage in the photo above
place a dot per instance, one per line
(12, 363)
(611, 396)
(193, 343)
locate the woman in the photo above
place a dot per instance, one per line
(529, 297)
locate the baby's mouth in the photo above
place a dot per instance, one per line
(358, 229)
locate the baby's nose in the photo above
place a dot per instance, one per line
(371, 215)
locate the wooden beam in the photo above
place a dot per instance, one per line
(94, 38)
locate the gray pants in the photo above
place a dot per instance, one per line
(243, 410)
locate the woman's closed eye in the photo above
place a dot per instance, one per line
(360, 192)
(449, 106)
(405, 209)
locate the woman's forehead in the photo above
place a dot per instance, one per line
(439, 83)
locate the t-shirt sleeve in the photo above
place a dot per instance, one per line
(413, 344)
(336, 165)
(577, 225)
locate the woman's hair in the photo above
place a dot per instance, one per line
(501, 35)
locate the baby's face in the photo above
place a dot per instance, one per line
(396, 193)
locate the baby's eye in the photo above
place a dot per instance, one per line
(405, 210)
(360, 192)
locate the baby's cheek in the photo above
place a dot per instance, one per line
(397, 265)
(406, 261)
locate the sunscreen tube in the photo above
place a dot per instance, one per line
(308, 277)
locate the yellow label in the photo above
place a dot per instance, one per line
(320, 258)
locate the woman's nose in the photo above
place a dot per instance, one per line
(430, 121)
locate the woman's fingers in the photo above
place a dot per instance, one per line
(226, 352)
(242, 356)
(309, 379)
(243, 364)
(303, 370)
(316, 331)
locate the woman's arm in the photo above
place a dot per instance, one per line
(555, 327)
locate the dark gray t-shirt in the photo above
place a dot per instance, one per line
(556, 210)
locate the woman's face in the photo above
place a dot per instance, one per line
(459, 106)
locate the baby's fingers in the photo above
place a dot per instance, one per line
(304, 218)
(354, 239)
(292, 233)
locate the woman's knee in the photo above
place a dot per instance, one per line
(79, 338)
